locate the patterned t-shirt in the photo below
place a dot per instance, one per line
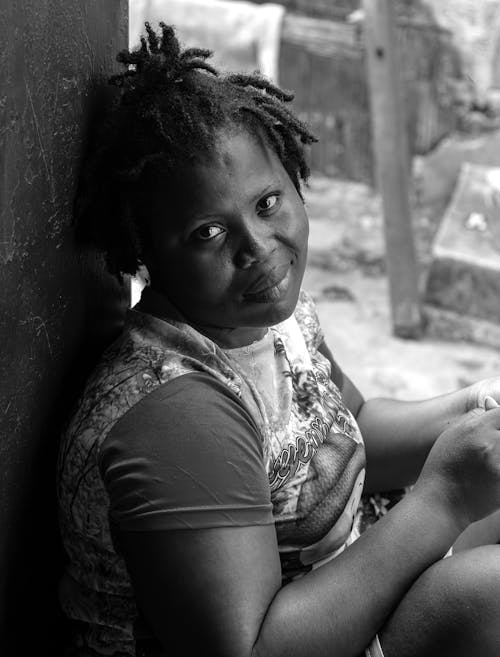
(316, 465)
(310, 451)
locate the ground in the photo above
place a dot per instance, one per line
(346, 275)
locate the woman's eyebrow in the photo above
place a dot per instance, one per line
(217, 213)
(273, 186)
(194, 221)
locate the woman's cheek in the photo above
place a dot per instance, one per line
(208, 275)
(298, 229)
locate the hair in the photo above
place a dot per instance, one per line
(171, 105)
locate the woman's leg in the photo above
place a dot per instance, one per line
(452, 610)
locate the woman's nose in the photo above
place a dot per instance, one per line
(255, 247)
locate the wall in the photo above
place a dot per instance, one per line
(53, 299)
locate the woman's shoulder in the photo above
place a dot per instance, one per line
(132, 367)
(148, 353)
(186, 448)
(195, 400)
(308, 320)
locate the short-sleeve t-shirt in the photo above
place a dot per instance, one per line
(190, 455)
(175, 433)
(187, 456)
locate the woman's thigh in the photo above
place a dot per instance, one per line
(452, 610)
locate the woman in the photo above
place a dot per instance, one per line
(211, 476)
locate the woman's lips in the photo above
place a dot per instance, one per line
(272, 287)
(269, 277)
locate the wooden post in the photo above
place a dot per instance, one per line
(391, 155)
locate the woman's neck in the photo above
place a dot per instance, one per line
(157, 303)
(232, 338)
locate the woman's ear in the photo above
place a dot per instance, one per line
(147, 267)
(143, 275)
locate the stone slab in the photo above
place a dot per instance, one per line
(452, 326)
(464, 276)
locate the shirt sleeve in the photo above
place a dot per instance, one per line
(308, 320)
(188, 455)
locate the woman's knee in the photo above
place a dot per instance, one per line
(452, 609)
(482, 532)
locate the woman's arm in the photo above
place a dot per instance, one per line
(398, 435)
(351, 396)
(217, 592)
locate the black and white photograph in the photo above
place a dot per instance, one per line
(250, 328)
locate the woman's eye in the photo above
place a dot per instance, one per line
(268, 203)
(206, 233)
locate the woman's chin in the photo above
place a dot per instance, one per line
(275, 311)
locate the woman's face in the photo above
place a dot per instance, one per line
(229, 242)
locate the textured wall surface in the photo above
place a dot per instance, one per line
(53, 58)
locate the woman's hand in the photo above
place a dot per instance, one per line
(464, 464)
(478, 392)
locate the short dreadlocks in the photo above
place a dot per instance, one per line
(171, 105)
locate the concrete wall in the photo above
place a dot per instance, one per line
(53, 57)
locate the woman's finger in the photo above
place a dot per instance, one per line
(489, 403)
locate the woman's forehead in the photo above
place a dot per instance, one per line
(242, 154)
(241, 168)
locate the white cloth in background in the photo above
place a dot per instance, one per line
(374, 649)
(244, 36)
(475, 25)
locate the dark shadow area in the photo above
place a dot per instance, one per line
(58, 309)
